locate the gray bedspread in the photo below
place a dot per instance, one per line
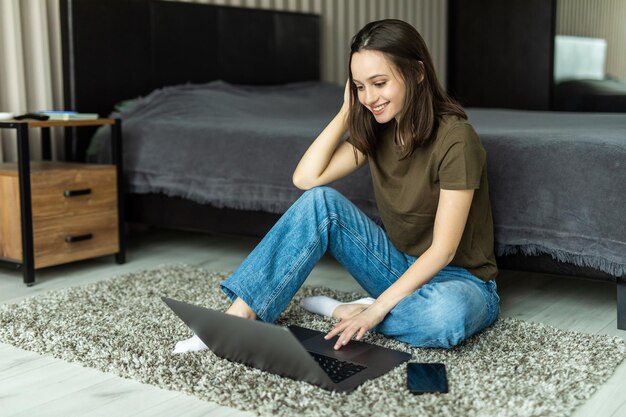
(228, 146)
(557, 180)
(558, 184)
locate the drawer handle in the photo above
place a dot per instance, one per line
(73, 239)
(74, 193)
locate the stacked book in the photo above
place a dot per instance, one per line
(69, 115)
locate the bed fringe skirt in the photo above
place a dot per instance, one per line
(601, 264)
(278, 204)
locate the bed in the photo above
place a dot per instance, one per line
(214, 149)
(591, 95)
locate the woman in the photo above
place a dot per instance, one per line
(431, 271)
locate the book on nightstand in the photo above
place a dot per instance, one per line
(69, 115)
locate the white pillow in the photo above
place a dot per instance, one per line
(578, 58)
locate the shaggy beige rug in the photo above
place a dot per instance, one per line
(121, 326)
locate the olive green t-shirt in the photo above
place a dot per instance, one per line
(407, 192)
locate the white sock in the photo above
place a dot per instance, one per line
(193, 344)
(325, 306)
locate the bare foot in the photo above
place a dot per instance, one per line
(239, 308)
(345, 311)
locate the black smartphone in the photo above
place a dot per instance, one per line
(425, 378)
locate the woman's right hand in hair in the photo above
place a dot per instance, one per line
(346, 95)
(328, 159)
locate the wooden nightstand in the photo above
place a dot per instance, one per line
(57, 212)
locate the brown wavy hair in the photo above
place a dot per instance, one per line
(425, 101)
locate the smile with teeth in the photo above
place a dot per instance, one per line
(380, 108)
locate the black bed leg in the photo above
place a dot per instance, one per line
(621, 303)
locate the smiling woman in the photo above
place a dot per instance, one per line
(391, 60)
(383, 92)
(430, 272)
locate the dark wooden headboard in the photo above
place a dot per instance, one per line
(114, 50)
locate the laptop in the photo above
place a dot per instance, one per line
(293, 352)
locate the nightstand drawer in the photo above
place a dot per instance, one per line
(73, 192)
(61, 240)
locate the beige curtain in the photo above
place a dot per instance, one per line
(30, 67)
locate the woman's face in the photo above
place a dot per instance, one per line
(379, 85)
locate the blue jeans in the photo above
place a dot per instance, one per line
(451, 307)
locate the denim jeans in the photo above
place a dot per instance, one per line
(451, 307)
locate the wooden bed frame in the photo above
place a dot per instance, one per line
(114, 50)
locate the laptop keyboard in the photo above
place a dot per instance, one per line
(337, 370)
